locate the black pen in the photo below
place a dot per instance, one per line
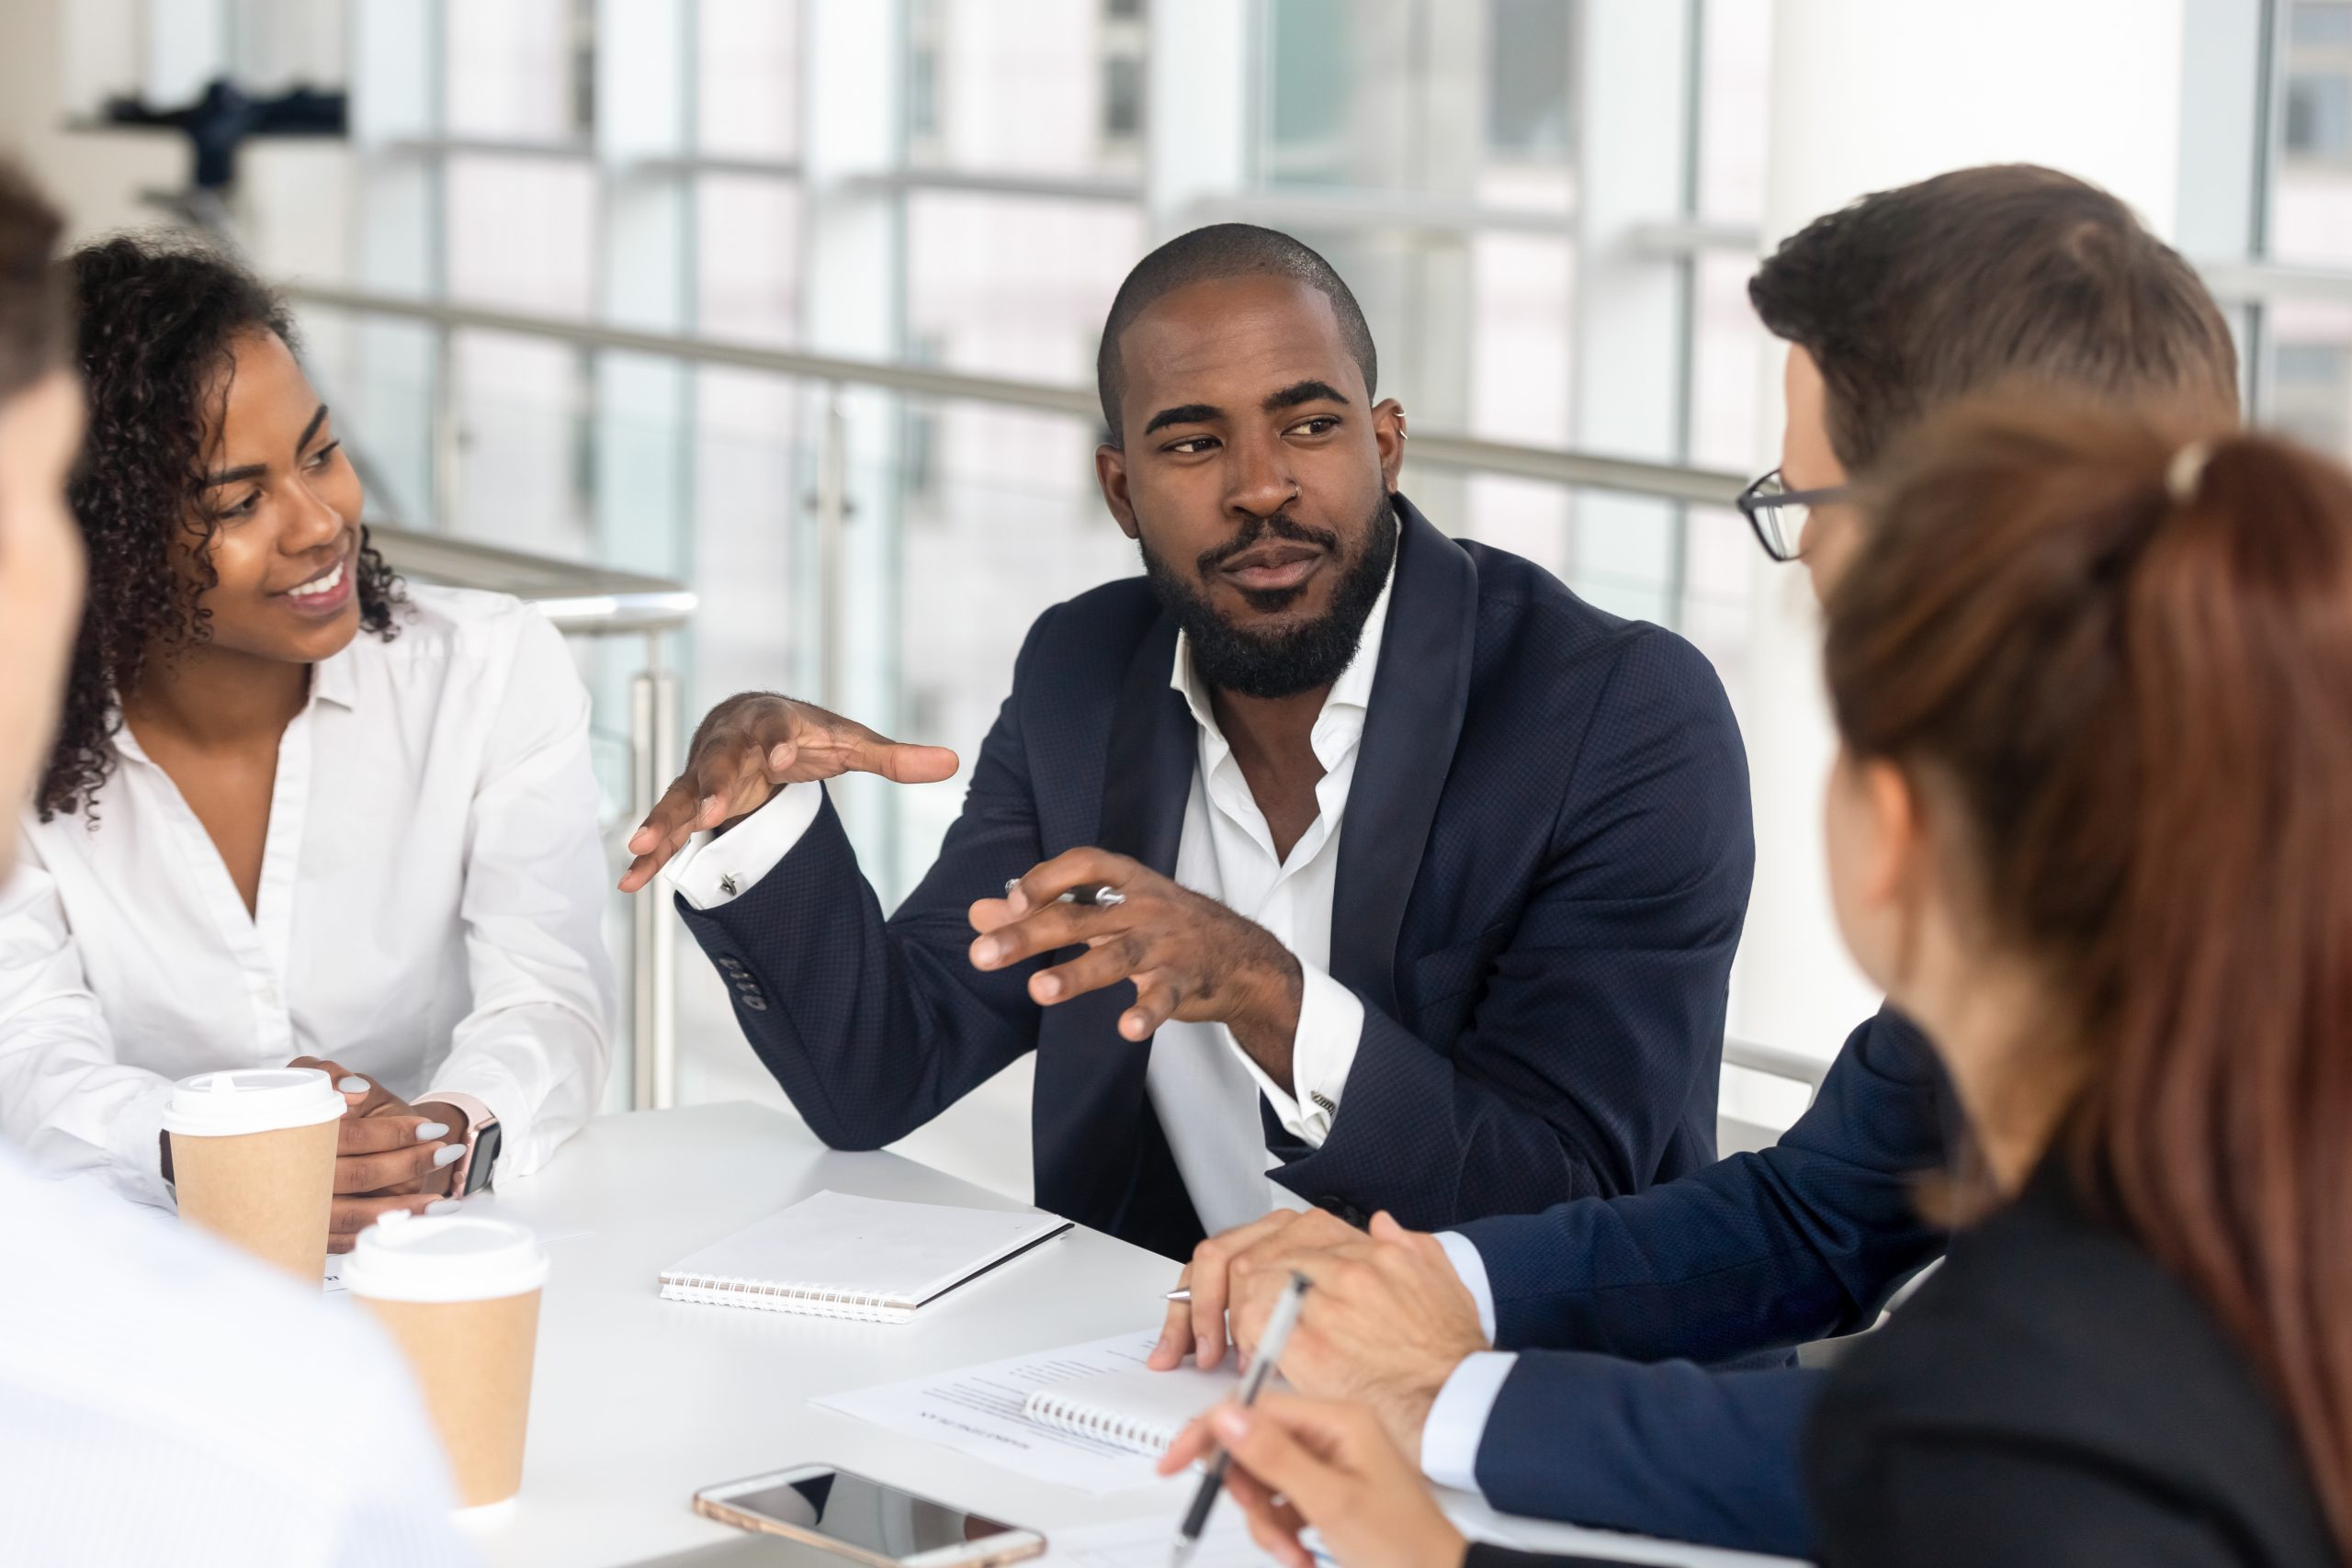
(1261, 1367)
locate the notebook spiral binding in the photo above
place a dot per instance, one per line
(1142, 1437)
(807, 1300)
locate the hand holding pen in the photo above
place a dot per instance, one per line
(1300, 1464)
(1253, 1382)
(1189, 957)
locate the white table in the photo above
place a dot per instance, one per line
(637, 1401)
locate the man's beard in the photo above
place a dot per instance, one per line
(1283, 663)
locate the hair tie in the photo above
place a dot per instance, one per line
(2186, 472)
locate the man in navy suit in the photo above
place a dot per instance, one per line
(1330, 862)
(1614, 1410)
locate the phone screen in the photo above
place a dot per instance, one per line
(865, 1514)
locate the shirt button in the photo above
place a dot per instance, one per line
(267, 996)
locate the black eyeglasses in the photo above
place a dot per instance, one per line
(1778, 512)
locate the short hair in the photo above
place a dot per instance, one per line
(33, 314)
(2006, 275)
(1205, 255)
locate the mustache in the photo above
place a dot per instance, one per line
(1281, 525)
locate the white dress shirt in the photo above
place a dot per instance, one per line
(1457, 1420)
(1204, 1087)
(164, 1400)
(431, 899)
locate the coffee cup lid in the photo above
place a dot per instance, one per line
(448, 1258)
(251, 1100)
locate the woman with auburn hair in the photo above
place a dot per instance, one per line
(295, 812)
(2090, 824)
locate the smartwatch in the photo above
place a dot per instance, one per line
(485, 1156)
(482, 1140)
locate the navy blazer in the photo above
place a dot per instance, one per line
(1542, 877)
(1607, 1418)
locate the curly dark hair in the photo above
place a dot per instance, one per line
(159, 321)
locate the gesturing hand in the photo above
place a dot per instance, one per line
(1386, 1323)
(749, 746)
(1190, 957)
(1300, 1462)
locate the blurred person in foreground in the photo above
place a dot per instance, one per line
(163, 1399)
(2087, 824)
(360, 817)
(1604, 1400)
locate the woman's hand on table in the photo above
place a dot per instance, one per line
(389, 1154)
(1299, 1462)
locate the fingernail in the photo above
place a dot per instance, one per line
(1048, 987)
(984, 954)
(709, 803)
(1230, 1424)
(443, 1206)
(449, 1154)
(352, 1085)
(432, 1130)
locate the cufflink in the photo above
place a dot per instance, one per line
(727, 884)
(1320, 1097)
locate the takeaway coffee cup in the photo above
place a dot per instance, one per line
(462, 1295)
(252, 1157)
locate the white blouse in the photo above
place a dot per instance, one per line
(433, 886)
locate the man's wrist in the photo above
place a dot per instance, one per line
(1268, 1028)
(1408, 1412)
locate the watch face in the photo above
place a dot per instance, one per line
(485, 1156)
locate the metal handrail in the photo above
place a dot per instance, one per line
(1776, 1061)
(597, 601)
(1585, 470)
(581, 599)
(577, 598)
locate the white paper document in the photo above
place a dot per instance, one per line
(1145, 1544)
(976, 1410)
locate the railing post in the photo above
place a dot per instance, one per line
(832, 515)
(448, 438)
(653, 969)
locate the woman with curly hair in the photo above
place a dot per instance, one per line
(296, 810)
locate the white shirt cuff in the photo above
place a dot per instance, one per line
(1457, 1422)
(718, 868)
(1330, 1027)
(1472, 1270)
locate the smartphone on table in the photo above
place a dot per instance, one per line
(867, 1521)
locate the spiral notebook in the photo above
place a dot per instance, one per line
(1138, 1410)
(834, 1255)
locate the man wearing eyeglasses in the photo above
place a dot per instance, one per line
(1605, 1401)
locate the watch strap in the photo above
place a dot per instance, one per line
(477, 1116)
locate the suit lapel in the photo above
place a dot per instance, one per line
(1148, 776)
(1090, 1097)
(1419, 694)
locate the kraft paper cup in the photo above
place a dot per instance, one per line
(461, 1296)
(253, 1158)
